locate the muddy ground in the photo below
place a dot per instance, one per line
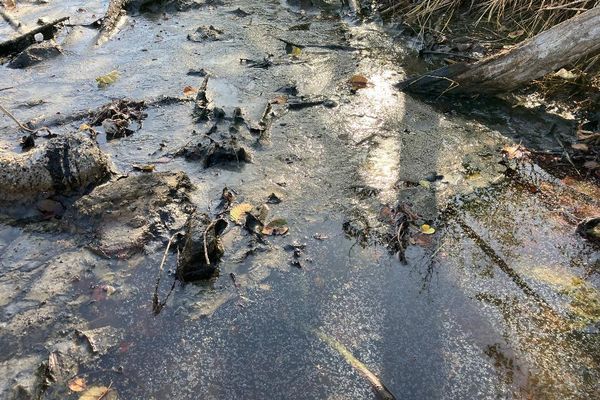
(501, 301)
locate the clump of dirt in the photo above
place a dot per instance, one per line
(63, 165)
(123, 215)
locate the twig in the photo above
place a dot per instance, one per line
(5, 111)
(23, 127)
(156, 305)
(205, 243)
(378, 386)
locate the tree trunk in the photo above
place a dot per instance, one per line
(546, 52)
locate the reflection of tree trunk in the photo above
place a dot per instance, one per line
(560, 45)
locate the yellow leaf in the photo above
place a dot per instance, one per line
(238, 213)
(99, 392)
(428, 230)
(425, 184)
(84, 127)
(107, 79)
(77, 384)
(296, 51)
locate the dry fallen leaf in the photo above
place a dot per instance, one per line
(276, 227)
(144, 167)
(279, 100)
(189, 91)
(296, 51)
(516, 34)
(238, 213)
(77, 384)
(428, 230)
(515, 151)
(580, 147)
(591, 165)
(99, 392)
(359, 82)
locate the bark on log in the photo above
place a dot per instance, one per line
(546, 52)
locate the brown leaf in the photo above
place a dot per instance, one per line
(580, 146)
(144, 167)
(279, 100)
(359, 82)
(591, 165)
(515, 151)
(189, 91)
(77, 384)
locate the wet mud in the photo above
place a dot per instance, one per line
(499, 298)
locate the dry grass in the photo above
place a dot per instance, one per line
(509, 20)
(530, 16)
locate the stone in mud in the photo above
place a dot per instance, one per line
(63, 165)
(205, 34)
(125, 214)
(212, 152)
(35, 54)
(201, 241)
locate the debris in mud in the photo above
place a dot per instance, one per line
(212, 152)
(201, 107)
(64, 164)
(265, 63)
(35, 54)
(202, 248)
(198, 72)
(205, 33)
(123, 215)
(115, 117)
(101, 340)
(297, 250)
(274, 199)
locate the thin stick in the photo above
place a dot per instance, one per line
(156, 306)
(205, 242)
(5, 111)
(378, 386)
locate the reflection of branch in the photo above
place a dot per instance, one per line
(491, 253)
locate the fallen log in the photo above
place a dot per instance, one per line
(16, 45)
(544, 53)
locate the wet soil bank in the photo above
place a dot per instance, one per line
(299, 112)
